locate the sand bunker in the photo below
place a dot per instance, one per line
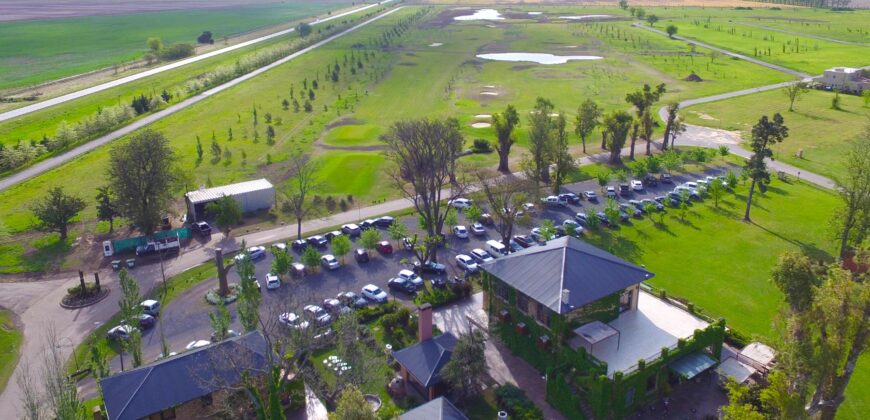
(482, 14)
(535, 13)
(540, 58)
(481, 125)
(584, 17)
(435, 44)
(487, 93)
(483, 116)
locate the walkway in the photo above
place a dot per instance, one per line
(124, 80)
(56, 161)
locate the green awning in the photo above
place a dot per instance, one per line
(692, 364)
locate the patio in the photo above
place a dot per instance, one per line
(643, 332)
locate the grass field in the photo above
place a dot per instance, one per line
(821, 132)
(33, 52)
(10, 341)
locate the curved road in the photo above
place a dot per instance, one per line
(56, 161)
(108, 85)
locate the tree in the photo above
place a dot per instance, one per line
(611, 210)
(304, 181)
(765, 134)
(248, 303)
(205, 38)
(369, 239)
(669, 125)
(794, 92)
(835, 101)
(563, 162)
(397, 231)
(142, 178)
(540, 139)
(504, 124)
(199, 150)
(588, 119)
(50, 392)
(131, 310)
(466, 370)
(603, 178)
(548, 230)
(303, 29)
(716, 191)
(505, 196)
(616, 124)
(227, 213)
(671, 30)
(281, 261)
(341, 245)
(311, 258)
(423, 154)
(852, 218)
(652, 19)
(452, 219)
(220, 322)
(154, 44)
(473, 214)
(623, 4)
(643, 100)
(56, 210)
(353, 406)
(639, 13)
(740, 406)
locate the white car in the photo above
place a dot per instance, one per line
(466, 263)
(636, 185)
(578, 229)
(120, 332)
(529, 208)
(197, 344)
(481, 256)
(460, 231)
(293, 321)
(318, 314)
(256, 252)
(412, 277)
(280, 246)
(374, 293)
(272, 281)
(692, 185)
(478, 230)
(460, 203)
(590, 195)
(329, 261)
(611, 192)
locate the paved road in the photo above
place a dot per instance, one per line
(108, 85)
(727, 52)
(56, 161)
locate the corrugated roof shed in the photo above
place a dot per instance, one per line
(438, 409)
(425, 359)
(542, 272)
(212, 194)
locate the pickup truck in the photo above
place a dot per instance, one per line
(170, 244)
(555, 201)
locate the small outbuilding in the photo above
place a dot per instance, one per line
(251, 196)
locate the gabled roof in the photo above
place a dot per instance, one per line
(425, 359)
(137, 393)
(542, 272)
(212, 194)
(438, 409)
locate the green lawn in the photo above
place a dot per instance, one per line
(10, 341)
(37, 51)
(821, 132)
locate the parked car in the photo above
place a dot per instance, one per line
(332, 235)
(481, 256)
(674, 198)
(523, 240)
(637, 204)
(256, 253)
(486, 219)
(693, 193)
(602, 218)
(374, 293)
(293, 321)
(466, 263)
(611, 192)
(624, 190)
(230, 334)
(361, 256)
(120, 332)
(407, 245)
(578, 229)
(384, 247)
(351, 229)
(554, 201)
(528, 208)
(202, 228)
(667, 179)
(637, 185)
(513, 246)
(658, 205)
(317, 314)
(145, 322)
(430, 267)
(367, 224)
(299, 245)
(460, 231)
(438, 282)
(399, 284)
(318, 241)
(384, 221)
(328, 261)
(629, 210)
(591, 196)
(570, 198)
(279, 247)
(272, 281)
(581, 218)
(197, 344)
(150, 307)
(650, 181)
(335, 306)
(412, 277)
(478, 230)
(352, 300)
(297, 269)
(460, 203)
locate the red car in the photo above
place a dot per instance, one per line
(385, 247)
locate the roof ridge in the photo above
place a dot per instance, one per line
(615, 260)
(136, 391)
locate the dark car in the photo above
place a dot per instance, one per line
(361, 255)
(430, 267)
(438, 282)
(318, 241)
(629, 210)
(299, 245)
(145, 322)
(406, 243)
(657, 204)
(384, 247)
(667, 179)
(352, 299)
(650, 181)
(367, 224)
(332, 235)
(384, 221)
(514, 246)
(524, 240)
(602, 218)
(486, 219)
(351, 229)
(402, 285)
(674, 196)
(202, 228)
(624, 189)
(571, 198)
(582, 218)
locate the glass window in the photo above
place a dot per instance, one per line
(523, 303)
(501, 290)
(542, 314)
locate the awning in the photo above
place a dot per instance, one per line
(730, 367)
(692, 364)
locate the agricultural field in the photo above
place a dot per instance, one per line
(815, 128)
(34, 52)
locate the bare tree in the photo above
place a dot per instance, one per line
(794, 92)
(304, 181)
(669, 126)
(61, 398)
(563, 163)
(31, 396)
(505, 196)
(423, 153)
(852, 219)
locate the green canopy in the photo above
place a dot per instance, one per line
(692, 364)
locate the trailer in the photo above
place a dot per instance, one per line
(170, 244)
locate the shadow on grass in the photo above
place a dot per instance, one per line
(685, 221)
(49, 251)
(810, 250)
(610, 241)
(723, 212)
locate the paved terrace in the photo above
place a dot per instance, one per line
(655, 324)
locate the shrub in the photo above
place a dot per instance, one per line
(90, 289)
(516, 403)
(435, 297)
(481, 146)
(176, 51)
(371, 313)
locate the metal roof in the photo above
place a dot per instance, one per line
(595, 332)
(542, 272)
(438, 409)
(140, 392)
(212, 194)
(425, 359)
(692, 364)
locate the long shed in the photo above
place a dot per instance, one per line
(251, 195)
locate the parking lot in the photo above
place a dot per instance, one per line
(186, 318)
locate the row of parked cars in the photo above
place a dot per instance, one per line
(147, 320)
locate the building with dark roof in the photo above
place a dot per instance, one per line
(578, 312)
(183, 386)
(438, 409)
(422, 362)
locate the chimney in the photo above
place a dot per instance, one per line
(424, 322)
(565, 295)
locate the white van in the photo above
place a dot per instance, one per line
(151, 307)
(496, 248)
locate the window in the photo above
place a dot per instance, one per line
(542, 314)
(523, 303)
(651, 383)
(625, 299)
(501, 291)
(629, 397)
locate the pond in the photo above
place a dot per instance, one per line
(482, 14)
(582, 17)
(540, 58)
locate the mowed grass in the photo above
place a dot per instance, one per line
(821, 132)
(33, 52)
(10, 342)
(348, 173)
(352, 135)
